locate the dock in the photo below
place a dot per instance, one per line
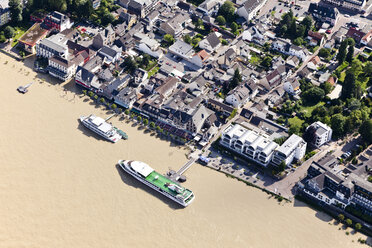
(108, 118)
(177, 175)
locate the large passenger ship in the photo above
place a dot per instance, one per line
(101, 127)
(147, 175)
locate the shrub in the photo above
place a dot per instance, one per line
(349, 222)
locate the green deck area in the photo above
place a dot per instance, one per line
(161, 181)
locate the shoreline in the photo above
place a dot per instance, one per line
(61, 187)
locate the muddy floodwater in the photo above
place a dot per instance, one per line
(60, 185)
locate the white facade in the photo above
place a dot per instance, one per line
(62, 72)
(250, 8)
(53, 46)
(293, 148)
(150, 47)
(249, 144)
(323, 133)
(291, 88)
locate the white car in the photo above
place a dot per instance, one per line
(347, 15)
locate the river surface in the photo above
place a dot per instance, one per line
(60, 185)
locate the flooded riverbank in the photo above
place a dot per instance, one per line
(60, 185)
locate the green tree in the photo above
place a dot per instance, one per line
(324, 52)
(342, 52)
(227, 10)
(292, 31)
(15, 8)
(187, 39)
(221, 20)
(267, 61)
(84, 92)
(127, 112)
(349, 222)
(350, 54)
(338, 124)
(2, 38)
(195, 41)
(199, 23)
(365, 131)
(9, 32)
(367, 69)
(90, 94)
(327, 87)
(301, 29)
(95, 97)
(341, 217)
(130, 64)
(234, 27)
(356, 67)
(350, 41)
(145, 122)
(313, 95)
(236, 79)
(282, 166)
(114, 106)
(139, 118)
(349, 86)
(146, 59)
(168, 38)
(358, 226)
(307, 22)
(152, 125)
(102, 100)
(107, 18)
(298, 41)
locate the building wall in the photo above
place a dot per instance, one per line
(4, 17)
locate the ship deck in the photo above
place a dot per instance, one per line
(160, 181)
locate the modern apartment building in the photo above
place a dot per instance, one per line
(355, 5)
(318, 134)
(293, 148)
(261, 149)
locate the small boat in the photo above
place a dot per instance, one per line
(122, 133)
(24, 89)
(101, 127)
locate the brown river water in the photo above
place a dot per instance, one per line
(60, 185)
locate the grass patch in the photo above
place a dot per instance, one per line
(295, 121)
(342, 76)
(307, 110)
(255, 60)
(153, 71)
(19, 31)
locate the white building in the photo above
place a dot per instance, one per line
(4, 12)
(319, 133)
(186, 52)
(250, 8)
(149, 46)
(55, 45)
(249, 144)
(211, 43)
(292, 86)
(238, 96)
(284, 46)
(64, 69)
(293, 148)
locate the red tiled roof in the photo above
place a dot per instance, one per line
(315, 35)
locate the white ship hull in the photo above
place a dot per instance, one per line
(124, 165)
(114, 138)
